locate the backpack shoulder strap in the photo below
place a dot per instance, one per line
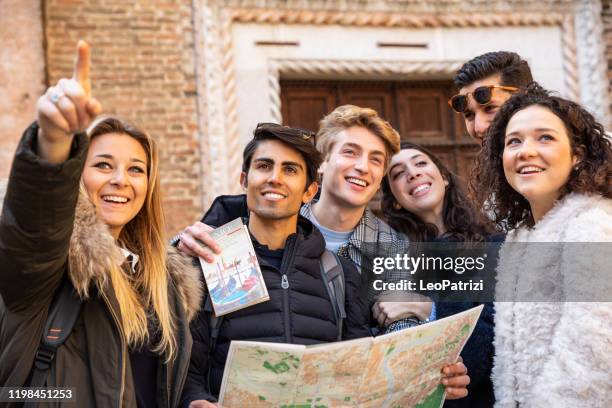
(333, 278)
(214, 325)
(62, 316)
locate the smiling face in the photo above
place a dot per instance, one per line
(478, 117)
(115, 177)
(354, 168)
(418, 185)
(537, 156)
(276, 182)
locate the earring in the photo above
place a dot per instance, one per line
(396, 205)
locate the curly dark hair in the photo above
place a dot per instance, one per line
(588, 142)
(463, 223)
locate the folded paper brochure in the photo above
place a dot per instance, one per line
(234, 279)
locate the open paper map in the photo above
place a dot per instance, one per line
(400, 369)
(234, 279)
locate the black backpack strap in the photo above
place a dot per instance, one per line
(333, 277)
(62, 316)
(214, 325)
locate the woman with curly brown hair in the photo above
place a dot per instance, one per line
(545, 173)
(423, 200)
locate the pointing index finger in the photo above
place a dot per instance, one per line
(81, 66)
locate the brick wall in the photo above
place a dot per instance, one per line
(143, 70)
(606, 17)
(22, 73)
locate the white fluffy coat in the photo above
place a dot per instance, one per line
(556, 354)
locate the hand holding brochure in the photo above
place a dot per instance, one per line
(234, 279)
(400, 369)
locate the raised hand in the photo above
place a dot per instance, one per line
(66, 108)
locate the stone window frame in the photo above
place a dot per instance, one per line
(305, 68)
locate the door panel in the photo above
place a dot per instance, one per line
(304, 107)
(423, 116)
(379, 97)
(466, 158)
(418, 110)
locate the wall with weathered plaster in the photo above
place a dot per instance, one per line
(193, 78)
(142, 69)
(540, 46)
(22, 72)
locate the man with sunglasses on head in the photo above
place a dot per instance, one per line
(484, 84)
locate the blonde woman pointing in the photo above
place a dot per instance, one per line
(85, 211)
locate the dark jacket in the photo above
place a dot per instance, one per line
(301, 314)
(44, 237)
(477, 355)
(478, 351)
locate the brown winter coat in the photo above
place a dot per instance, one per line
(41, 240)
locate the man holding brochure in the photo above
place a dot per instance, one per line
(279, 176)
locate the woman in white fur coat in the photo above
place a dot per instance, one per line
(553, 326)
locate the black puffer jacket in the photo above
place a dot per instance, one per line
(301, 314)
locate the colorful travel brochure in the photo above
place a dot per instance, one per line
(234, 279)
(400, 369)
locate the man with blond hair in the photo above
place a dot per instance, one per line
(357, 146)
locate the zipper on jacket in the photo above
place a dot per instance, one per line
(123, 347)
(286, 266)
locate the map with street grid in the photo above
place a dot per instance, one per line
(400, 369)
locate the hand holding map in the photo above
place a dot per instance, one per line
(400, 369)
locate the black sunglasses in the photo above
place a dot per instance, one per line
(482, 95)
(288, 130)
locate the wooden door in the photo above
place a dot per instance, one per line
(378, 96)
(418, 110)
(303, 103)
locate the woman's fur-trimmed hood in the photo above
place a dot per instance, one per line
(93, 250)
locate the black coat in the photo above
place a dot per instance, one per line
(47, 234)
(301, 314)
(477, 355)
(478, 351)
